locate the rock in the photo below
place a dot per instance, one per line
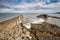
(45, 31)
(12, 29)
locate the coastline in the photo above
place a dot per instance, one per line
(48, 30)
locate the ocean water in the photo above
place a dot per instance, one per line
(27, 16)
(6, 16)
(49, 20)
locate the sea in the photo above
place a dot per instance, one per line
(27, 16)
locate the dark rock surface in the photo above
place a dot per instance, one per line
(45, 31)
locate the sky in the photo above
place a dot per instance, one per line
(29, 6)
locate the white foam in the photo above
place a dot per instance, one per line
(33, 21)
(27, 25)
(38, 21)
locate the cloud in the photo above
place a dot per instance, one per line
(38, 6)
(6, 10)
(58, 0)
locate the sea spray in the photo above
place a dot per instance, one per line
(33, 20)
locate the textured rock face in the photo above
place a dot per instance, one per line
(10, 23)
(12, 29)
(45, 31)
(11, 33)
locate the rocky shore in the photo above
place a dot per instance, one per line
(45, 31)
(13, 29)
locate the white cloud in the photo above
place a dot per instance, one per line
(31, 7)
(58, 0)
(6, 10)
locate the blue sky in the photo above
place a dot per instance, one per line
(29, 6)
